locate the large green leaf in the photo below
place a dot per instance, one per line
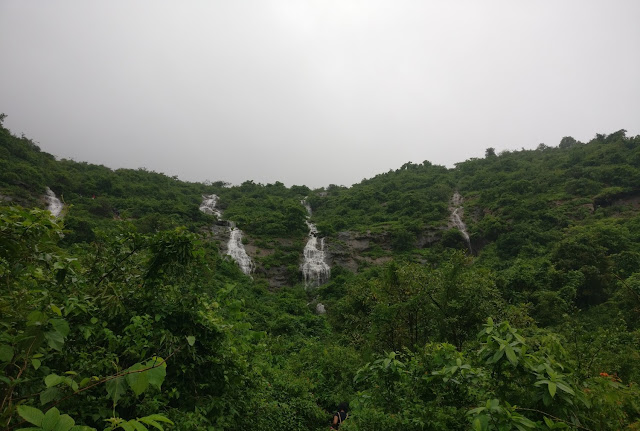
(511, 355)
(159, 418)
(137, 425)
(496, 356)
(53, 380)
(65, 423)
(6, 353)
(565, 388)
(50, 419)
(49, 395)
(138, 380)
(126, 426)
(116, 388)
(157, 371)
(31, 415)
(61, 326)
(55, 308)
(152, 423)
(36, 318)
(55, 339)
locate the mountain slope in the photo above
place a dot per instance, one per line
(532, 325)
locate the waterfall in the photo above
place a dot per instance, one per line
(457, 212)
(208, 205)
(54, 205)
(314, 268)
(235, 248)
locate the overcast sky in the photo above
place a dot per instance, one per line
(313, 92)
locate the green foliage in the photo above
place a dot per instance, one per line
(52, 420)
(507, 384)
(86, 329)
(123, 315)
(417, 194)
(410, 304)
(265, 210)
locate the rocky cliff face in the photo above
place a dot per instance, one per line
(284, 262)
(277, 275)
(352, 250)
(258, 251)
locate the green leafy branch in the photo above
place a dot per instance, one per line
(139, 377)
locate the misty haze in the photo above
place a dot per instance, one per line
(352, 88)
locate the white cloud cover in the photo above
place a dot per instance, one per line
(313, 92)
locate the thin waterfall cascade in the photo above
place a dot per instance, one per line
(235, 248)
(457, 211)
(314, 268)
(54, 205)
(208, 205)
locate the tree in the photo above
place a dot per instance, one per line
(567, 142)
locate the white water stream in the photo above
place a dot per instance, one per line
(208, 205)
(314, 268)
(457, 212)
(54, 205)
(235, 248)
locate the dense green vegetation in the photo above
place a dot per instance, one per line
(413, 196)
(125, 315)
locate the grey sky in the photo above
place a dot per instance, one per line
(313, 92)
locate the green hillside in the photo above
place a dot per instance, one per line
(126, 313)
